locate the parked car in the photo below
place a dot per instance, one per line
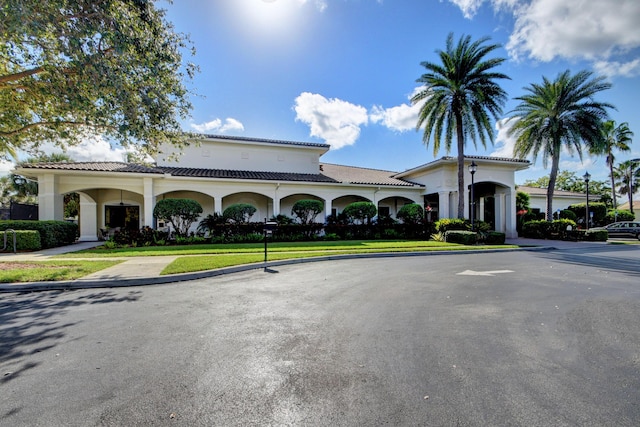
(622, 229)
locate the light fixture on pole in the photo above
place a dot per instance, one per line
(472, 170)
(587, 177)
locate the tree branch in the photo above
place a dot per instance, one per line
(65, 123)
(21, 75)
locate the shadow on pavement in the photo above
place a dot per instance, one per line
(30, 325)
(607, 257)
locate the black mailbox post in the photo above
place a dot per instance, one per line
(269, 227)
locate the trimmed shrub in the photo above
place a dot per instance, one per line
(52, 233)
(360, 212)
(623, 215)
(494, 238)
(306, 210)
(239, 213)
(567, 214)
(181, 213)
(599, 211)
(549, 230)
(26, 240)
(461, 236)
(412, 213)
(596, 235)
(447, 224)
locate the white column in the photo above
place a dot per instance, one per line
(88, 219)
(480, 213)
(217, 204)
(276, 201)
(50, 203)
(327, 208)
(149, 202)
(443, 204)
(510, 214)
(500, 213)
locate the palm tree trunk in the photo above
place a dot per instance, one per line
(555, 162)
(461, 188)
(613, 188)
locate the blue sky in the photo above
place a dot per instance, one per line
(342, 71)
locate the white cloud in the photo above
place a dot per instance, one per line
(587, 29)
(218, 126)
(596, 30)
(615, 68)
(335, 121)
(92, 149)
(504, 143)
(400, 118)
(470, 7)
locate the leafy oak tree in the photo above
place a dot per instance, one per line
(69, 68)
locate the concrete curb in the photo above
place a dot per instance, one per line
(174, 278)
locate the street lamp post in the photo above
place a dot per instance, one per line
(587, 177)
(472, 170)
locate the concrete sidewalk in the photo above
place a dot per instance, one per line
(138, 271)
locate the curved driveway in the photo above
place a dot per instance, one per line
(519, 338)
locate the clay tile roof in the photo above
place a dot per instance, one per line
(329, 173)
(93, 167)
(356, 175)
(238, 174)
(266, 141)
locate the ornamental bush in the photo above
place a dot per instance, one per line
(52, 233)
(623, 215)
(411, 213)
(181, 213)
(239, 213)
(26, 240)
(494, 238)
(447, 224)
(306, 210)
(596, 235)
(461, 236)
(360, 212)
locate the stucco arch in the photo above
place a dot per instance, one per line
(494, 203)
(286, 203)
(391, 205)
(262, 203)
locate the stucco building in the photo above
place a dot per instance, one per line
(271, 175)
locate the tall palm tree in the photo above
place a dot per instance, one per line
(460, 97)
(626, 175)
(615, 138)
(558, 114)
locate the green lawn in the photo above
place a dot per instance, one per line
(207, 257)
(365, 245)
(45, 271)
(187, 264)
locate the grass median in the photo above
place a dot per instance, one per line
(48, 271)
(193, 258)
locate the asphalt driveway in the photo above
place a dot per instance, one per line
(519, 338)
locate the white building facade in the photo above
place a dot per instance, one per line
(271, 175)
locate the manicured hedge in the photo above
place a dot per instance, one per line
(52, 233)
(596, 235)
(494, 238)
(26, 240)
(460, 236)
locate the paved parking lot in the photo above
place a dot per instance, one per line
(522, 338)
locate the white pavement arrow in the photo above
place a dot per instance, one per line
(483, 273)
